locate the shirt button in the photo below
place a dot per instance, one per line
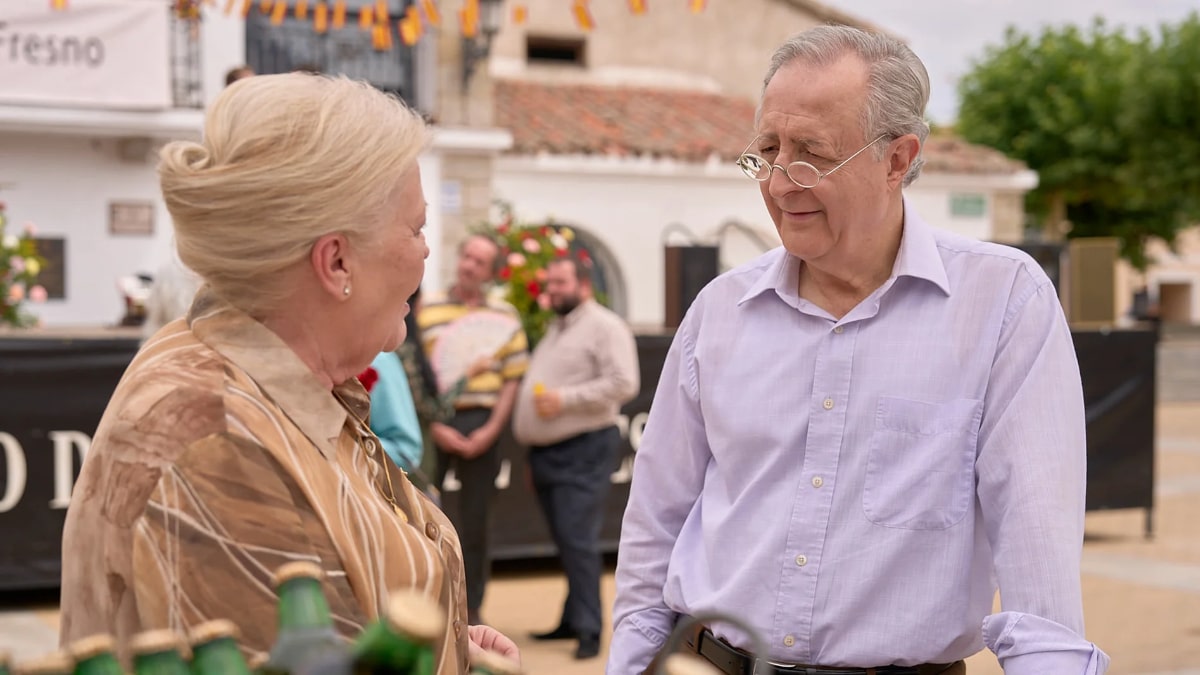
(838, 329)
(369, 444)
(789, 641)
(818, 481)
(801, 560)
(431, 530)
(828, 404)
(458, 626)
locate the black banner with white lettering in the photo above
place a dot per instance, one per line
(53, 392)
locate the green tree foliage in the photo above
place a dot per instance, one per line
(1111, 123)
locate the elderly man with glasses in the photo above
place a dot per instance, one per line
(859, 436)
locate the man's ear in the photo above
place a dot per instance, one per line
(902, 152)
(331, 265)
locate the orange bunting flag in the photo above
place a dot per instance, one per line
(339, 14)
(381, 12)
(583, 16)
(229, 5)
(246, 5)
(520, 14)
(279, 13)
(432, 15)
(366, 18)
(696, 6)
(381, 37)
(321, 18)
(408, 34)
(301, 10)
(264, 6)
(637, 6)
(58, 5)
(468, 17)
(410, 27)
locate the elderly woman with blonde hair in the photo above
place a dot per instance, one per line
(237, 440)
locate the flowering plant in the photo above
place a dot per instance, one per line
(19, 268)
(527, 250)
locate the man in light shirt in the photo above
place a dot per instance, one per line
(858, 436)
(581, 373)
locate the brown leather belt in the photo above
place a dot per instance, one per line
(733, 661)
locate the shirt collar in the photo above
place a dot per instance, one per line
(277, 370)
(918, 257)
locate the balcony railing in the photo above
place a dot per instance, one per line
(294, 45)
(187, 89)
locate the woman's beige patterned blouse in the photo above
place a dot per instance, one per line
(220, 458)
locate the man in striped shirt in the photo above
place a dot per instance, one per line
(459, 327)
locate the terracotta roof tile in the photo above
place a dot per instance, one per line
(590, 119)
(684, 125)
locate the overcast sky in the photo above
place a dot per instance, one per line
(948, 34)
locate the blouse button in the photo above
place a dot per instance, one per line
(431, 530)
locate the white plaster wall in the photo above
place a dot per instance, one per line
(222, 47)
(630, 206)
(933, 203)
(629, 214)
(63, 184)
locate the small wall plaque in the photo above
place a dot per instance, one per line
(131, 218)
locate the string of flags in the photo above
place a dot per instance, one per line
(327, 15)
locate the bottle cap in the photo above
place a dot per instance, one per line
(213, 630)
(687, 664)
(50, 664)
(257, 661)
(155, 641)
(90, 646)
(414, 614)
(297, 570)
(495, 664)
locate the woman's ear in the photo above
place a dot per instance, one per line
(331, 265)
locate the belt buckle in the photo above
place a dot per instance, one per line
(757, 661)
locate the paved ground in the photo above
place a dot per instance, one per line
(1142, 597)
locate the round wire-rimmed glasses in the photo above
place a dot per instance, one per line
(802, 174)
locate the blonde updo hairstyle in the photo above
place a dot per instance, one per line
(285, 160)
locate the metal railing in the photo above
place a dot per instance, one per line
(294, 45)
(187, 86)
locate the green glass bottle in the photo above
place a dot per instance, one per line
(401, 641)
(95, 656)
(57, 663)
(158, 652)
(215, 650)
(491, 663)
(306, 633)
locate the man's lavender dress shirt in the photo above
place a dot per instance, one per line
(855, 489)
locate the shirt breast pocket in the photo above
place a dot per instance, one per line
(921, 463)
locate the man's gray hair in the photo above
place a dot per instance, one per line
(897, 83)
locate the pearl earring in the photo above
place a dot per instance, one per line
(346, 291)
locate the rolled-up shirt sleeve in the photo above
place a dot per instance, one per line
(667, 479)
(1031, 469)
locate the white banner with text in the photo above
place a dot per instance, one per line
(95, 53)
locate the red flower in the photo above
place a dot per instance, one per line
(506, 273)
(368, 378)
(502, 229)
(545, 231)
(534, 288)
(561, 252)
